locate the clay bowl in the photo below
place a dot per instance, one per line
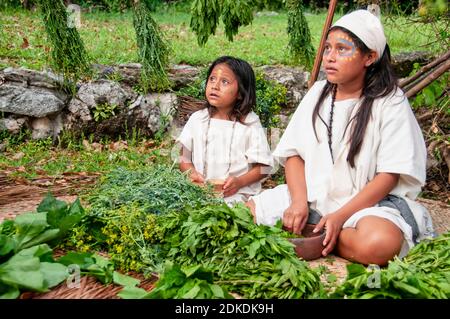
(309, 246)
(217, 184)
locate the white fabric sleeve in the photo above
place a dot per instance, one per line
(186, 138)
(258, 150)
(292, 141)
(402, 148)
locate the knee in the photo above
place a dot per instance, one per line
(379, 249)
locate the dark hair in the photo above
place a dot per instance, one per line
(246, 86)
(379, 81)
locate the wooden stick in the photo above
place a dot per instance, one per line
(444, 67)
(318, 60)
(424, 69)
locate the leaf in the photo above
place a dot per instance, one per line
(29, 226)
(129, 292)
(81, 259)
(192, 293)
(23, 273)
(123, 280)
(7, 245)
(54, 273)
(355, 270)
(51, 204)
(406, 287)
(62, 217)
(9, 292)
(44, 237)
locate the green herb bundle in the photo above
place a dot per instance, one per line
(68, 53)
(123, 214)
(153, 49)
(254, 261)
(423, 273)
(299, 35)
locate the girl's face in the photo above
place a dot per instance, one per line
(343, 61)
(222, 89)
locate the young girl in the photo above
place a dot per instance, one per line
(353, 153)
(225, 141)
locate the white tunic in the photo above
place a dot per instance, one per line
(393, 143)
(242, 145)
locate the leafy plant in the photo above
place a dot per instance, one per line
(104, 111)
(254, 261)
(153, 50)
(68, 52)
(26, 261)
(423, 273)
(177, 282)
(299, 35)
(270, 97)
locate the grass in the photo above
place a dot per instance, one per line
(110, 38)
(31, 159)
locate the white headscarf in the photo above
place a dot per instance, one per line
(367, 27)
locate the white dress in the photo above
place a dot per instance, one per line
(242, 145)
(393, 143)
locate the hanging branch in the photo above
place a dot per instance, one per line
(444, 67)
(153, 49)
(235, 13)
(299, 35)
(403, 83)
(68, 53)
(205, 16)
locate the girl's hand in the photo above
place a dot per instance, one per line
(295, 217)
(196, 177)
(231, 186)
(333, 226)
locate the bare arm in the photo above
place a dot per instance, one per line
(296, 215)
(234, 183)
(186, 164)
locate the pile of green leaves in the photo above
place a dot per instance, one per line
(253, 261)
(157, 189)
(123, 215)
(26, 261)
(423, 273)
(177, 282)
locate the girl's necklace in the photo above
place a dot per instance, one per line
(205, 162)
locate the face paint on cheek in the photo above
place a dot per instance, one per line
(349, 54)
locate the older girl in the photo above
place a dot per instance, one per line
(353, 153)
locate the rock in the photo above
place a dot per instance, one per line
(182, 75)
(93, 94)
(403, 63)
(42, 128)
(12, 125)
(31, 93)
(129, 73)
(294, 79)
(45, 127)
(155, 109)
